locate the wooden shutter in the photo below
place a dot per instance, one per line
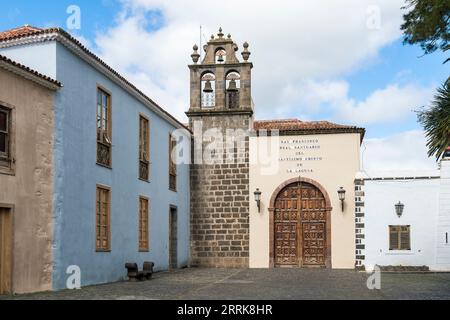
(104, 128)
(393, 238)
(144, 148)
(172, 164)
(405, 238)
(5, 115)
(399, 238)
(103, 219)
(143, 224)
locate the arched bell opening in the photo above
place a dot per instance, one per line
(233, 88)
(208, 90)
(220, 56)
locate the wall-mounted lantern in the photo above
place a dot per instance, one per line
(399, 209)
(258, 199)
(341, 194)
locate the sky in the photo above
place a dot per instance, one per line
(341, 61)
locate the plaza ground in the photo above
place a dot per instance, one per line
(262, 284)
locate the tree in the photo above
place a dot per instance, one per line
(427, 24)
(436, 122)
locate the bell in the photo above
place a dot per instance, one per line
(232, 86)
(220, 59)
(208, 88)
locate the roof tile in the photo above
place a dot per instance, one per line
(19, 32)
(295, 124)
(27, 31)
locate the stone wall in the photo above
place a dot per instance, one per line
(220, 198)
(29, 187)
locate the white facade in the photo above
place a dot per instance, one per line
(443, 227)
(427, 210)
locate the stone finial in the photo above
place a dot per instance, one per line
(195, 56)
(229, 36)
(220, 34)
(246, 54)
(212, 37)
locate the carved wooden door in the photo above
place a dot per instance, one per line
(313, 218)
(300, 226)
(286, 226)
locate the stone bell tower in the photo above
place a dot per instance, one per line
(220, 115)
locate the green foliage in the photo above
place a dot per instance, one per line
(428, 24)
(436, 122)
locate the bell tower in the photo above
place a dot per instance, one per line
(220, 114)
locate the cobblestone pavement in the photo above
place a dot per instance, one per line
(263, 284)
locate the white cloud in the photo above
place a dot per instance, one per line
(290, 42)
(385, 105)
(403, 151)
(395, 102)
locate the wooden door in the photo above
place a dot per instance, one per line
(5, 250)
(300, 226)
(286, 222)
(173, 239)
(313, 218)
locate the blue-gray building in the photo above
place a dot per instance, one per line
(117, 196)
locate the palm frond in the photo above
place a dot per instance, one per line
(436, 122)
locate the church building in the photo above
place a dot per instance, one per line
(276, 193)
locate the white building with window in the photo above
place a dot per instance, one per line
(404, 219)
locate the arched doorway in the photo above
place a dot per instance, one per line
(300, 225)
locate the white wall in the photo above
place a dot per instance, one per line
(337, 167)
(443, 227)
(421, 199)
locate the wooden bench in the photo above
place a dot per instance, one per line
(135, 275)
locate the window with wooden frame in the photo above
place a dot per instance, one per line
(104, 128)
(103, 219)
(5, 137)
(172, 163)
(144, 245)
(399, 238)
(144, 148)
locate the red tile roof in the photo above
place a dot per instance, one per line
(295, 124)
(27, 31)
(30, 71)
(305, 127)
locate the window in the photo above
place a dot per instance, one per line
(144, 148)
(172, 163)
(103, 219)
(5, 137)
(399, 238)
(104, 132)
(143, 225)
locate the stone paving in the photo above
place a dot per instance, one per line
(262, 284)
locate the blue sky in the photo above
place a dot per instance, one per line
(370, 70)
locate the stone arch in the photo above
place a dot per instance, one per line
(208, 99)
(328, 209)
